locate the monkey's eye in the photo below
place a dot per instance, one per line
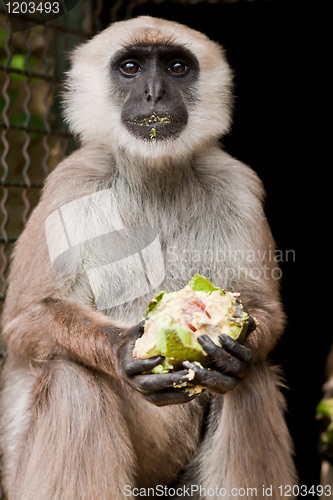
(130, 68)
(178, 68)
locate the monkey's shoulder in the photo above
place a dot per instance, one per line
(234, 182)
(84, 171)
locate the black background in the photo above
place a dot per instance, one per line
(264, 42)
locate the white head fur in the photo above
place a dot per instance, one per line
(93, 111)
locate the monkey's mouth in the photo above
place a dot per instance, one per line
(155, 127)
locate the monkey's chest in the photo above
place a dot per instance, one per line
(189, 252)
(161, 261)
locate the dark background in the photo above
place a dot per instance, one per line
(264, 41)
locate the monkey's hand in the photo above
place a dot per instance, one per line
(228, 364)
(159, 389)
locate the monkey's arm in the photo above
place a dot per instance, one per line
(68, 329)
(55, 326)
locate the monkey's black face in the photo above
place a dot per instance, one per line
(157, 85)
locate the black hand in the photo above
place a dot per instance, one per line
(227, 364)
(158, 389)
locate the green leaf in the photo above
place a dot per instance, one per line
(201, 284)
(18, 62)
(175, 343)
(325, 408)
(154, 302)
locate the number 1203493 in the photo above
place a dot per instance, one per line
(304, 490)
(33, 7)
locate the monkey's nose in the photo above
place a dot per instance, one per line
(155, 92)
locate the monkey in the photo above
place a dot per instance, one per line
(149, 199)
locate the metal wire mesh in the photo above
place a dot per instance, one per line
(33, 137)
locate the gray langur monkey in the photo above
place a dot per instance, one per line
(80, 417)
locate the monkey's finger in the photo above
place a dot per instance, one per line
(133, 366)
(128, 340)
(136, 331)
(215, 382)
(152, 383)
(170, 398)
(252, 326)
(240, 351)
(225, 361)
